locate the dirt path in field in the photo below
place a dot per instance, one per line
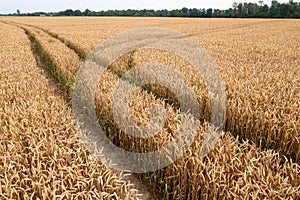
(143, 188)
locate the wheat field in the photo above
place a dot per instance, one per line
(257, 156)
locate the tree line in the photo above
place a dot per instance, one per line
(238, 10)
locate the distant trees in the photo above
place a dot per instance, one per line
(86, 12)
(240, 10)
(235, 5)
(77, 13)
(69, 12)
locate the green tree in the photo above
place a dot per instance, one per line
(77, 13)
(245, 10)
(174, 13)
(234, 5)
(86, 12)
(253, 9)
(209, 12)
(263, 11)
(184, 12)
(240, 10)
(69, 12)
(261, 3)
(217, 13)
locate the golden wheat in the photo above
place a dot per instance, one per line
(263, 104)
(40, 154)
(258, 60)
(234, 169)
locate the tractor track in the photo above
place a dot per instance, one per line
(133, 179)
(44, 62)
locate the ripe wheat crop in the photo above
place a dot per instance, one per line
(258, 60)
(41, 157)
(260, 68)
(223, 174)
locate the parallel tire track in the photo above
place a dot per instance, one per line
(44, 60)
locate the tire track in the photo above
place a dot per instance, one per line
(41, 144)
(82, 55)
(68, 43)
(44, 61)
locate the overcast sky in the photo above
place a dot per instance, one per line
(10, 6)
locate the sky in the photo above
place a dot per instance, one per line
(11, 6)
